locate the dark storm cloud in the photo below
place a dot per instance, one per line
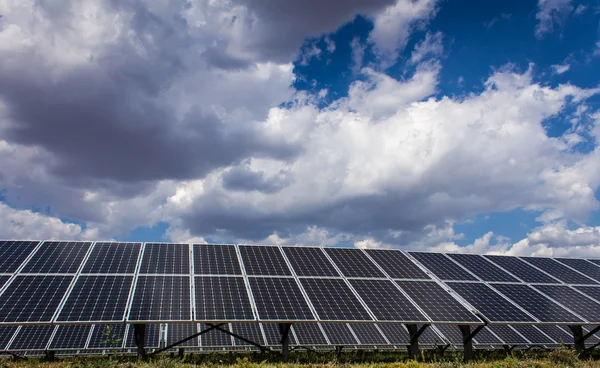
(244, 179)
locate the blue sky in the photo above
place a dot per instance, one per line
(458, 126)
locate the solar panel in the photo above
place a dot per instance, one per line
(536, 304)
(557, 333)
(179, 331)
(3, 280)
(442, 266)
(521, 269)
(452, 334)
(488, 302)
(339, 334)
(579, 304)
(436, 302)
(386, 301)
(161, 298)
(395, 334)
(508, 335)
(107, 337)
(279, 299)
(57, 257)
(309, 261)
(215, 338)
(396, 264)
(485, 336)
(595, 261)
(249, 331)
(264, 260)
(216, 259)
(591, 291)
(151, 336)
(24, 341)
(6, 333)
(70, 337)
(590, 269)
(559, 271)
(592, 340)
(110, 257)
(368, 334)
(273, 334)
(334, 300)
(222, 299)
(483, 269)
(97, 298)
(13, 253)
(32, 298)
(534, 335)
(309, 334)
(161, 258)
(430, 337)
(353, 262)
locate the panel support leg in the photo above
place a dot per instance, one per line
(467, 342)
(284, 328)
(180, 353)
(414, 332)
(140, 338)
(578, 340)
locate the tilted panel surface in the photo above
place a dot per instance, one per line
(249, 331)
(557, 333)
(151, 336)
(161, 258)
(442, 266)
(216, 259)
(367, 334)
(386, 301)
(3, 280)
(273, 334)
(591, 291)
(430, 337)
(590, 269)
(161, 298)
(32, 338)
(215, 338)
(592, 340)
(333, 300)
(97, 298)
(279, 299)
(109, 257)
(522, 270)
(396, 264)
(559, 270)
(482, 268)
(70, 337)
(353, 262)
(107, 337)
(32, 298)
(536, 304)
(6, 333)
(595, 261)
(532, 334)
(491, 304)
(13, 253)
(508, 335)
(179, 331)
(309, 334)
(436, 302)
(452, 334)
(57, 257)
(339, 334)
(264, 260)
(396, 334)
(222, 299)
(485, 336)
(309, 261)
(579, 304)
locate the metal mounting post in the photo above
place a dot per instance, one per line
(414, 332)
(579, 340)
(284, 328)
(467, 342)
(180, 353)
(139, 334)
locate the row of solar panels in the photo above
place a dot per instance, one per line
(85, 282)
(119, 337)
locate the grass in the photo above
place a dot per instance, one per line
(358, 359)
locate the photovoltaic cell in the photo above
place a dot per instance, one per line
(522, 270)
(309, 261)
(13, 253)
(273, 334)
(591, 291)
(161, 298)
(508, 335)
(222, 299)
(368, 334)
(396, 334)
(32, 298)
(151, 336)
(216, 259)
(339, 334)
(309, 334)
(396, 264)
(442, 266)
(532, 334)
(249, 331)
(279, 299)
(590, 269)
(592, 340)
(579, 304)
(165, 259)
(97, 298)
(557, 333)
(107, 337)
(559, 271)
(264, 260)
(334, 300)
(452, 334)
(179, 331)
(386, 301)
(110, 257)
(353, 262)
(536, 304)
(70, 337)
(6, 333)
(437, 303)
(24, 341)
(485, 336)
(430, 337)
(3, 280)
(492, 305)
(57, 257)
(215, 338)
(483, 269)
